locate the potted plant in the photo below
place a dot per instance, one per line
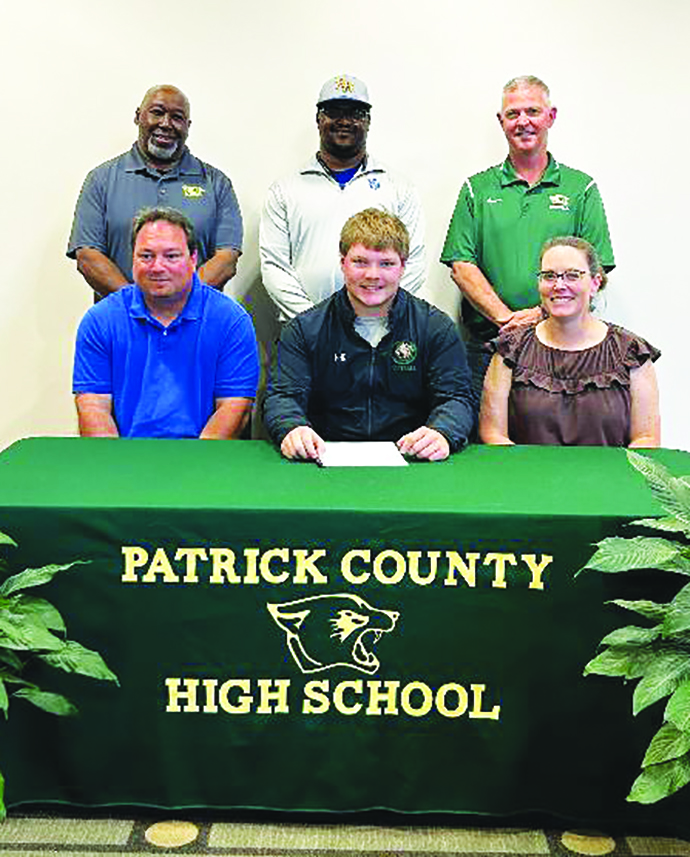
(656, 654)
(32, 628)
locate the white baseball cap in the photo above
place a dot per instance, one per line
(344, 87)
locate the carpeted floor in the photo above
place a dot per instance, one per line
(38, 835)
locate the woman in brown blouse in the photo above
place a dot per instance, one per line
(572, 379)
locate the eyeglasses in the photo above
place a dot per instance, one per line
(572, 275)
(344, 111)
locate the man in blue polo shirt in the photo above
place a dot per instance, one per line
(159, 170)
(166, 356)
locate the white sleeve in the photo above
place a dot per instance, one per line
(410, 212)
(279, 277)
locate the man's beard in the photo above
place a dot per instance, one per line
(344, 153)
(162, 153)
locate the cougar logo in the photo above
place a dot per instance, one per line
(325, 631)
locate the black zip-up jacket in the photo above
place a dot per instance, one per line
(327, 376)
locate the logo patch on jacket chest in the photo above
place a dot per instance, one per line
(404, 355)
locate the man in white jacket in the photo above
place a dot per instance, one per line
(304, 212)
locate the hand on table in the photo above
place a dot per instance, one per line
(302, 442)
(426, 443)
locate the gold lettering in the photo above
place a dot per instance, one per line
(265, 565)
(251, 574)
(427, 699)
(477, 713)
(191, 555)
(339, 696)
(460, 692)
(279, 696)
(346, 566)
(537, 570)
(210, 685)
(160, 564)
(457, 563)
(413, 558)
(316, 697)
(223, 568)
(388, 695)
(399, 572)
(500, 560)
(243, 704)
(176, 694)
(306, 565)
(135, 557)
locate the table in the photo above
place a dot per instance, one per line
(296, 638)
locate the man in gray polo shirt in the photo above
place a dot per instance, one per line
(159, 170)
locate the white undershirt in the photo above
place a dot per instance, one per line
(372, 328)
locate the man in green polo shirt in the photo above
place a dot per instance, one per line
(503, 216)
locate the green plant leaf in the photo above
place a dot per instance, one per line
(672, 493)
(648, 609)
(7, 540)
(34, 577)
(668, 743)
(619, 554)
(626, 663)
(659, 781)
(677, 619)
(678, 708)
(661, 677)
(631, 635)
(4, 699)
(10, 659)
(53, 703)
(15, 679)
(73, 657)
(35, 609)
(3, 810)
(669, 525)
(26, 632)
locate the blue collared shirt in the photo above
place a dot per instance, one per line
(164, 380)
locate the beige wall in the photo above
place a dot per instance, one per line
(74, 71)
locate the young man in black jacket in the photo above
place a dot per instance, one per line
(372, 362)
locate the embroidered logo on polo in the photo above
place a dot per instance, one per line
(559, 202)
(193, 191)
(374, 183)
(492, 201)
(326, 631)
(404, 355)
(340, 358)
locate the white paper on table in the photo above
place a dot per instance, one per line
(362, 453)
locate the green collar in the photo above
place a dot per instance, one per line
(551, 176)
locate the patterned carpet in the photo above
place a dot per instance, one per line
(37, 835)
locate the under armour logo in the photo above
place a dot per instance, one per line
(342, 357)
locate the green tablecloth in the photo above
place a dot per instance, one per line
(290, 637)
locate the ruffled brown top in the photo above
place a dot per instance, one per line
(571, 398)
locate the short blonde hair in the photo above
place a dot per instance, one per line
(375, 229)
